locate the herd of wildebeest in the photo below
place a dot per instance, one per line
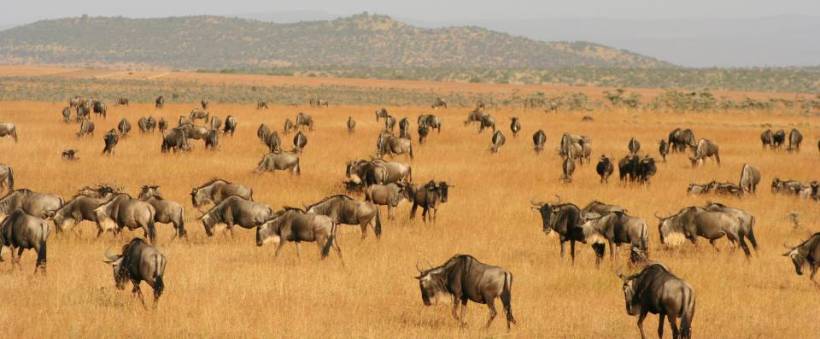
(30, 215)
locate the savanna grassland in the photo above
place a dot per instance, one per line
(228, 287)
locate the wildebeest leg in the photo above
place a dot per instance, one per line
(712, 242)
(744, 247)
(424, 213)
(611, 250)
(640, 323)
(463, 312)
(413, 210)
(298, 252)
(562, 248)
(813, 273)
(493, 313)
(660, 325)
(364, 229)
(672, 321)
(455, 308)
(137, 292)
(279, 247)
(572, 250)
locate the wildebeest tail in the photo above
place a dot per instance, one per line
(411, 151)
(506, 298)
(42, 251)
(645, 239)
(159, 283)
(330, 240)
(751, 234)
(378, 228)
(181, 232)
(11, 179)
(687, 312)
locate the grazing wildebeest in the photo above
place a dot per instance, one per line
(146, 124)
(633, 146)
(567, 168)
(139, 262)
(66, 115)
(808, 252)
(261, 105)
(304, 120)
(343, 209)
(212, 140)
(124, 127)
(656, 290)
(497, 140)
(167, 211)
(215, 123)
(404, 128)
(663, 149)
(487, 121)
(596, 207)
(747, 220)
(83, 113)
(464, 278)
(175, 140)
(749, 178)
(40, 205)
(162, 125)
(389, 123)
(423, 131)
(428, 197)
(438, 103)
(216, 190)
(230, 125)
(281, 161)
(8, 128)
(159, 102)
(646, 169)
(696, 189)
(679, 139)
(786, 186)
(86, 128)
(6, 177)
(389, 195)
(235, 210)
(381, 114)
(767, 138)
(21, 231)
(694, 221)
(127, 212)
(288, 126)
(122, 101)
(539, 138)
(294, 225)
(378, 172)
(100, 109)
(195, 115)
(431, 121)
(111, 139)
(195, 132)
(795, 139)
(515, 126)
(705, 149)
(389, 144)
(475, 115)
(778, 138)
(564, 219)
(273, 142)
(619, 228)
(78, 209)
(204, 104)
(299, 142)
(604, 168)
(351, 124)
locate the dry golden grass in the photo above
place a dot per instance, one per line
(226, 287)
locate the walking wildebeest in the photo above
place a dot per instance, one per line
(428, 197)
(212, 140)
(475, 115)
(299, 142)
(464, 278)
(633, 146)
(404, 128)
(656, 290)
(40, 205)
(216, 190)
(100, 109)
(279, 162)
(430, 121)
(124, 127)
(111, 139)
(8, 128)
(604, 168)
(497, 141)
(139, 262)
(304, 120)
(66, 115)
(515, 126)
(86, 128)
(619, 228)
(288, 127)
(694, 221)
(807, 253)
(487, 121)
(679, 139)
(704, 149)
(767, 138)
(564, 219)
(162, 125)
(343, 209)
(6, 177)
(175, 140)
(795, 139)
(567, 168)
(378, 172)
(146, 124)
(294, 225)
(539, 138)
(389, 195)
(786, 186)
(423, 131)
(230, 125)
(351, 124)
(749, 178)
(159, 102)
(78, 209)
(167, 211)
(21, 231)
(663, 149)
(235, 210)
(128, 212)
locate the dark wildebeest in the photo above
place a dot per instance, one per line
(656, 290)
(497, 140)
(646, 169)
(212, 140)
(539, 138)
(628, 167)
(122, 101)
(304, 120)
(633, 146)
(83, 113)
(351, 124)
(235, 210)
(767, 138)
(778, 138)
(431, 121)
(619, 228)
(273, 142)
(261, 105)
(294, 225)
(21, 231)
(6, 177)
(216, 190)
(279, 161)
(438, 103)
(111, 139)
(389, 123)
(146, 124)
(195, 115)
(749, 178)
(428, 197)
(215, 123)
(474, 116)
(124, 127)
(343, 209)
(795, 139)
(66, 115)
(564, 219)
(40, 205)
(515, 126)
(389, 144)
(263, 132)
(604, 168)
(126, 211)
(713, 224)
(464, 278)
(8, 128)
(162, 125)
(705, 149)
(100, 109)
(159, 102)
(389, 195)
(808, 252)
(299, 142)
(567, 168)
(288, 126)
(487, 121)
(167, 211)
(204, 104)
(663, 149)
(139, 262)
(423, 131)
(86, 128)
(230, 125)
(679, 139)
(175, 140)
(404, 128)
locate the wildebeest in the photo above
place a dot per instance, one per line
(636, 169)
(162, 125)
(8, 128)
(124, 127)
(230, 125)
(86, 128)
(696, 189)
(294, 225)
(6, 177)
(431, 121)
(705, 149)
(680, 139)
(539, 138)
(343, 209)
(139, 262)
(212, 140)
(656, 290)
(694, 221)
(66, 115)
(767, 138)
(273, 142)
(786, 186)
(304, 120)
(567, 168)
(487, 121)
(381, 114)
(370, 172)
(235, 210)
(159, 102)
(438, 103)
(100, 109)
(604, 168)
(122, 101)
(127, 212)
(404, 128)
(78, 209)
(299, 142)
(204, 104)
(620, 228)
(261, 105)
(423, 131)
(726, 188)
(564, 219)
(575, 146)
(497, 140)
(215, 123)
(633, 146)
(83, 113)
(263, 132)
(749, 178)
(216, 190)
(795, 139)
(389, 123)
(146, 124)
(389, 144)
(40, 205)
(281, 161)
(428, 196)
(646, 169)
(111, 139)
(778, 138)
(167, 211)
(515, 126)
(288, 126)
(464, 278)
(475, 115)
(663, 149)
(389, 195)
(807, 253)
(351, 124)
(21, 231)
(175, 140)
(195, 115)
(195, 132)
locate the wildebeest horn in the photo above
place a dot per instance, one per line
(656, 216)
(558, 197)
(109, 257)
(418, 267)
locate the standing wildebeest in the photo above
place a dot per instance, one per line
(633, 146)
(260, 105)
(628, 167)
(279, 161)
(215, 123)
(711, 224)
(663, 149)
(175, 140)
(497, 140)
(100, 109)
(230, 125)
(808, 252)
(288, 126)
(474, 116)
(8, 128)
(195, 132)
(216, 190)
(122, 101)
(438, 103)
(679, 139)
(431, 121)
(487, 121)
(749, 178)
(83, 113)
(389, 195)
(646, 169)
(273, 142)
(389, 144)
(304, 120)
(382, 114)
(567, 168)
(389, 123)
(464, 278)
(111, 139)
(146, 124)
(78, 209)
(66, 115)
(423, 131)
(539, 138)
(294, 225)
(704, 149)
(343, 209)
(126, 211)
(579, 145)
(139, 262)
(20, 231)
(204, 104)
(604, 168)
(778, 138)
(86, 128)
(263, 132)
(656, 290)
(351, 124)
(124, 127)
(159, 102)
(378, 172)
(795, 138)
(235, 210)
(40, 205)
(404, 128)
(212, 140)
(619, 228)
(515, 126)
(596, 207)
(6, 177)
(299, 142)
(75, 101)
(70, 154)
(767, 138)
(428, 197)
(167, 211)
(564, 219)
(195, 115)
(162, 125)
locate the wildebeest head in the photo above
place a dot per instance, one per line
(443, 190)
(664, 228)
(546, 211)
(149, 191)
(208, 223)
(798, 259)
(199, 197)
(269, 231)
(431, 284)
(120, 274)
(633, 305)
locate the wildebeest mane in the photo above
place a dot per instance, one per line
(212, 181)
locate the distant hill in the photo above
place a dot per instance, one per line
(362, 40)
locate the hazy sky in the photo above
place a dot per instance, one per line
(23, 11)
